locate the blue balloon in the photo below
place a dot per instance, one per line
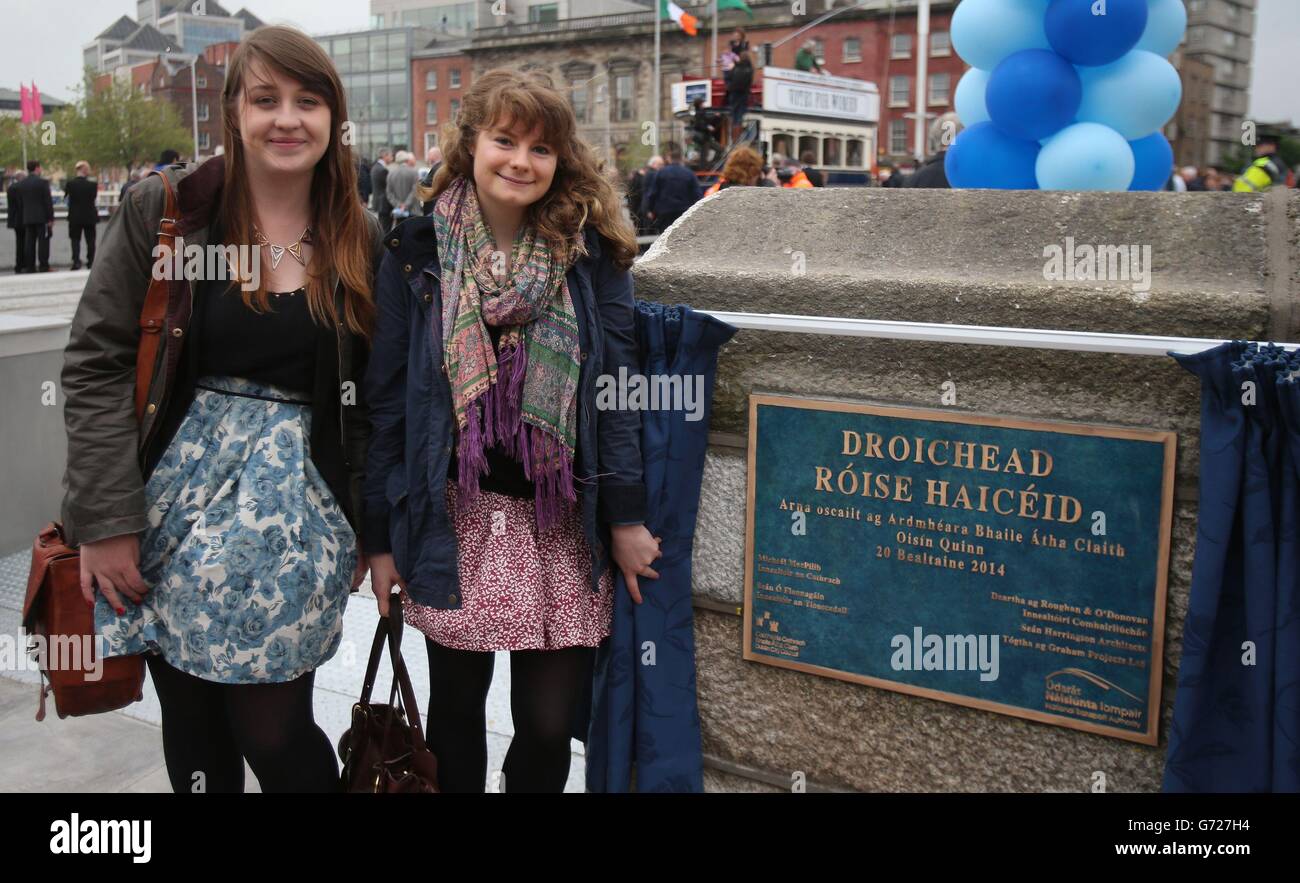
(986, 158)
(1166, 22)
(1086, 156)
(1155, 162)
(969, 97)
(1135, 96)
(986, 31)
(1095, 32)
(1033, 94)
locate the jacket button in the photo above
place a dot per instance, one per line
(177, 332)
(394, 242)
(407, 268)
(152, 407)
(452, 598)
(428, 298)
(584, 357)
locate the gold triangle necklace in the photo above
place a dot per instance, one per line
(278, 251)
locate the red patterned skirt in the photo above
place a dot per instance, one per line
(518, 591)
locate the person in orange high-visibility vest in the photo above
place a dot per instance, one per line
(793, 176)
(744, 168)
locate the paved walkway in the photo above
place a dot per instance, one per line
(122, 751)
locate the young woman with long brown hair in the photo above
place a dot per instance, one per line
(497, 491)
(222, 535)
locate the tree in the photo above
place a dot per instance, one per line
(116, 127)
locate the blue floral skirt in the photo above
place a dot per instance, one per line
(248, 556)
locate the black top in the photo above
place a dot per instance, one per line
(276, 347)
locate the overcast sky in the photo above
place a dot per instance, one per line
(43, 41)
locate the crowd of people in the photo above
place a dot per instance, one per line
(388, 185)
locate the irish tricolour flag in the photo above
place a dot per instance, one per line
(684, 20)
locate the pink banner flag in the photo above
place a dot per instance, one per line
(25, 104)
(38, 112)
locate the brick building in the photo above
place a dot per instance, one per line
(440, 74)
(607, 62)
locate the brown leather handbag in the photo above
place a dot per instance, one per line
(384, 752)
(55, 615)
(60, 625)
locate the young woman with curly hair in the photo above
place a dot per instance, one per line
(497, 491)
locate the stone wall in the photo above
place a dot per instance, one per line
(1223, 266)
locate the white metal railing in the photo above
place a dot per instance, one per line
(979, 335)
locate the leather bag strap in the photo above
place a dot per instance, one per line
(153, 317)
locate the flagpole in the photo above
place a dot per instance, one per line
(659, 15)
(922, 85)
(713, 69)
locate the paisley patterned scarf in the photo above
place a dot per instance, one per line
(523, 394)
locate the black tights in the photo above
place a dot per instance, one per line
(545, 686)
(210, 728)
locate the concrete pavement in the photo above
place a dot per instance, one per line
(122, 751)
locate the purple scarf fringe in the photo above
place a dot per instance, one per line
(495, 418)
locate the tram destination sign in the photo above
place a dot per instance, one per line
(1015, 566)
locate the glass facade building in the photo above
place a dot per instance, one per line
(375, 67)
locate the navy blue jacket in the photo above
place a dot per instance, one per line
(672, 191)
(413, 426)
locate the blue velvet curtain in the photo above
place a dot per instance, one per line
(1236, 722)
(644, 713)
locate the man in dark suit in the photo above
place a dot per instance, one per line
(14, 207)
(379, 189)
(38, 218)
(672, 191)
(83, 214)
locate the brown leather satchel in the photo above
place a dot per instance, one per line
(60, 625)
(384, 751)
(55, 614)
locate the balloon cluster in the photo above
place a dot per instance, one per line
(1065, 94)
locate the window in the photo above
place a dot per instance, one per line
(900, 89)
(201, 82)
(819, 50)
(578, 99)
(453, 77)
(623, 108)
(203, 141)
(898, 136)
(377, 21)
(544, 12)
(831, 152)
(855, 154)
(1229, 39)
(431, 81)
(852, 49)
(455, 108)
(430, 140)
(203, 112)
(900, 46)
(940, 43)
(1195, 5)
(431, 113)
(939, 87)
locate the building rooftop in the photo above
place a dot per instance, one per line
(118, 30)
(251, 22)
(150, 39)
(8, 95)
